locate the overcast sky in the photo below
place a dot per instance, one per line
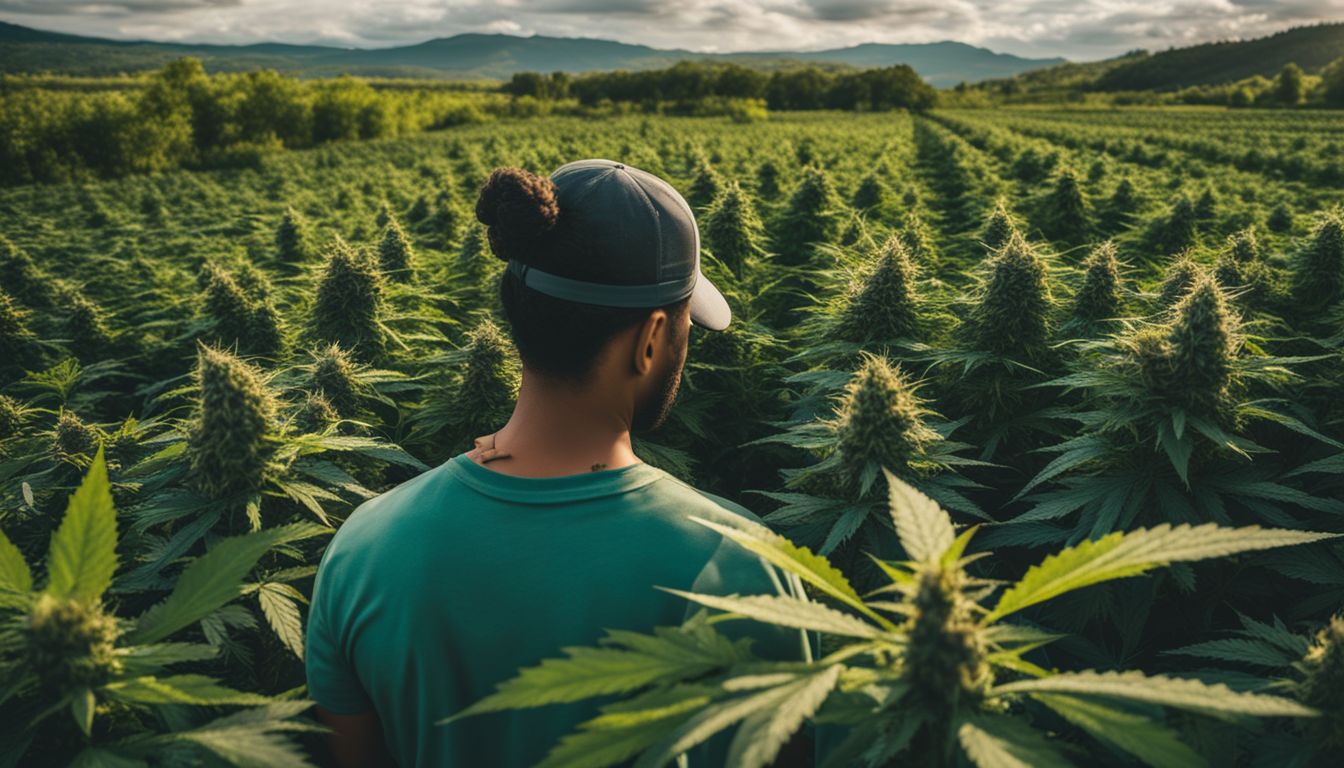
(1077, 29)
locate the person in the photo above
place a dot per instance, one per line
(550, 530)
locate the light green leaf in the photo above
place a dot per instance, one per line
(670, 655)
(282, 613)
(721, 715)
(84, 549)
(1121, 555)
(924, 528)
(626, 728)
(214, 579)
(1001, 742)
(787, 612)
(179, 689)
(800, 561)
(1142, 737)
(761, 735)
(14, 573)
(148, 659)
(82, 705)
(1183, 693)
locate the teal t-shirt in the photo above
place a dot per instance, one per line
(436, 591)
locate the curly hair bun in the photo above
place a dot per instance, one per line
(519, 207)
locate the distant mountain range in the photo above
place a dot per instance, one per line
(478, 56)
(1311, 48)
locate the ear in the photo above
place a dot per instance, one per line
(648, 338)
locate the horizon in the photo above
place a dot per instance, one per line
(1085, 31)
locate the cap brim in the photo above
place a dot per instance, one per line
(708, 307)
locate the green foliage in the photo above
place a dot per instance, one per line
(944, 677)
(813, 216)
(999, 226)
(1319, 273)
(1066, 213)
(248, 323)
(294, 238)
(395, 255)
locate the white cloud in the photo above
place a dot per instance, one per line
(1079, 29)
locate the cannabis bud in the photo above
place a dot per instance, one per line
(879, 424)
(230, 440)
(706, 186)
(395, 255)
(484, 396)
(1012, 316)
(1066, 210)
(1191, 359)
(293, 238)
(350, 302)
(1099, 296)
(811, 217)
(732, 229)
(999, 227)
(945, 654)
(73, 440)
(1320, 268)
(1322, 684)
(70, 644)
(881, 302)
(334, 379)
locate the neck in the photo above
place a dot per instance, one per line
(561, 429)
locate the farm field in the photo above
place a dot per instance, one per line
(1067, 327)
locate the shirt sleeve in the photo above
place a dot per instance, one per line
(332, 681)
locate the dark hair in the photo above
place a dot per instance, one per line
(554, 337)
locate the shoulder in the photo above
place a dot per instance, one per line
(370, 521)
(703, 503)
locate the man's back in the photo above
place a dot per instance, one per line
(432, 594)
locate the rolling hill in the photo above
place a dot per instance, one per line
(476, 56)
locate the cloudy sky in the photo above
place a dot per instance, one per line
(1077, 29)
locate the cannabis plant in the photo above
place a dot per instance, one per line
(733, 231)
(812, 216)
(705, 187)
(1308, 668)
(233, 316)
(349, 304)
(1099, 297)
(1064, 210)
(918, 240)
(479, 395)
(999, 227)
(395, 255)
(293, 238)
(1175, 232)
(85, 686)
(1319, 272)
(877, 421)
(1164, 428)
(925, 670)
(1242, 266)
(881, 302)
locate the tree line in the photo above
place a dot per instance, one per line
(800, 88)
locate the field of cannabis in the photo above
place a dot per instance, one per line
(1044, 410)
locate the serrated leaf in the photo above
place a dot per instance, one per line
(671, 654)
(787, 612)
(14, 573)
(800, 561)
(761, 735)
(1143, 737)
(214, 579)
(1001, 742)
(82, 706)
(1238, 649)
(720, 715)
(282, 613)
(1181, 693)
(197, 690)
(626, 728)
(923, 527)
(83, 553)
(1121, 555)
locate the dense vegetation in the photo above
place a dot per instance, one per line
(1042, 409)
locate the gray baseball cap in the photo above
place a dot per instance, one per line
(641, 244)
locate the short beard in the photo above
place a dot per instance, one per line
(651, 414)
